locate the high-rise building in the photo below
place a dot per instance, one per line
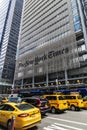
(53, 43)
(10, 18)
(84, 8)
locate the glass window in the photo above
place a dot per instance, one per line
(53, 97)
(81, 58)
(83, 47)
(73, 97)
(77, 26)
(75, 11)
(0, 98)
(24, 106)
(60, 98)
(8, 108)
(73, 5)
(76, 18)
(48, 97)
(79, 97)
(20, 74)
(85, 57)
(1, 107)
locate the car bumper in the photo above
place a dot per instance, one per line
(27, 123)
(29, 126)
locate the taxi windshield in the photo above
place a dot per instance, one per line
(24, 106)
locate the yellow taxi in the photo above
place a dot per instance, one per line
(57, 103)
(85, 102)
(4, 100)
(75, 101)
(26, 115)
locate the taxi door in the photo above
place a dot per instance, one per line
(6, 114)
(53, 101)
(1, 111)
(85, 104)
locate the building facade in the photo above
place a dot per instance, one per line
(10, 18)
(53, 43)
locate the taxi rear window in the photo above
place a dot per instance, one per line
(24, 106)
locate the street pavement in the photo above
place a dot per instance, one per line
(70, 120)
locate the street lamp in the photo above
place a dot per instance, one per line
(67, 82)
(78, 81)
(59, 83)
(44, 84)
(51, 84)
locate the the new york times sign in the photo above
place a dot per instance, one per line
(49, 55)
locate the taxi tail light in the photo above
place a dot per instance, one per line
(23, 115)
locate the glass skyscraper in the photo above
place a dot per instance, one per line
(53, 43)
(10, 18)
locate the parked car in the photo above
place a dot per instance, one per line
(57, 103)
(3, 100)
(39, 102)
(85, 102)
(26, 115)
(75, 101)
(0, 98)
(15, 99)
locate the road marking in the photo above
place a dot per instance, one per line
(58, 126)
(54, 127)
(46, 128)
(74, 128)
(80, 123)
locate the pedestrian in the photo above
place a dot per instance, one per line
(19, 99)
(10, 98)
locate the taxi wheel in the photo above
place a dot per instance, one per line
(53, 110)
(9, 125)
(73, 108)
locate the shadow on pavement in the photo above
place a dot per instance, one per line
(34, 128)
